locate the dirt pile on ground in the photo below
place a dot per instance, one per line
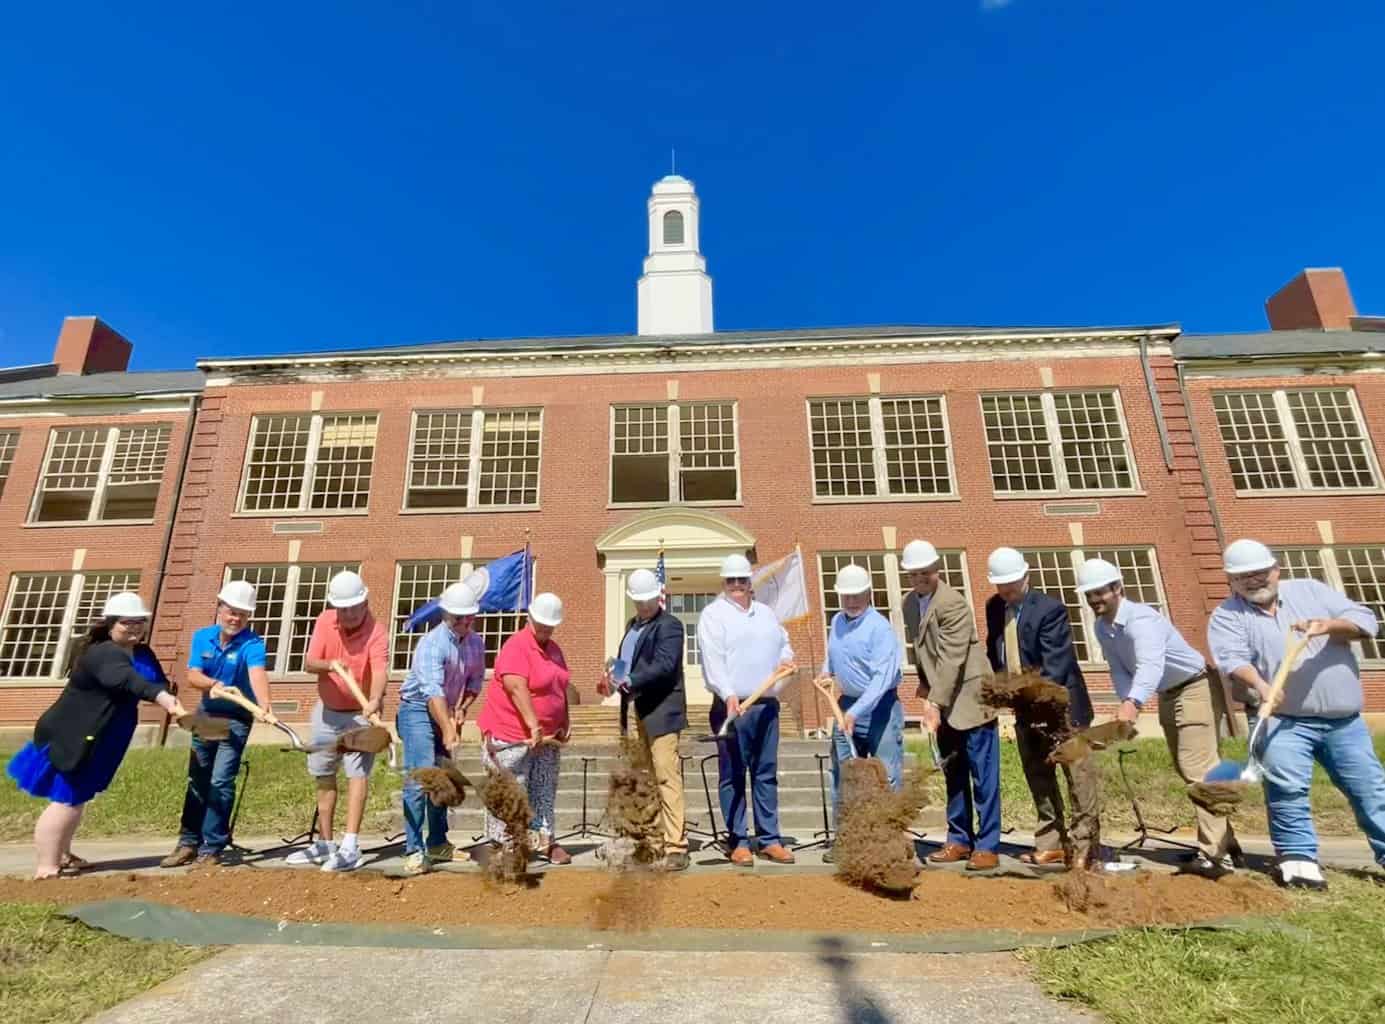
(632, 802)
(630, 902)
(505, 799)
(444, 784)
(873, 850)
(947, 901)
(1222, 798)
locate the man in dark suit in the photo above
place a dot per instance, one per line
(652, 650)
(1026, 629)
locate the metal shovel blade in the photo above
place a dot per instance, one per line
(1240, 771)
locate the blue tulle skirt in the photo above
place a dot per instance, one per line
(35, 774)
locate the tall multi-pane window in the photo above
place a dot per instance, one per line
(9, 441)
(474, 458)
(1356, 570)
(101, 474)
(417, 583)
(288, 599)
(1057, 442)
(887, 600)
(1054, 572)
(1304, 439)
(880, 447)
(674, 452)
(309, 463)
(46, 612)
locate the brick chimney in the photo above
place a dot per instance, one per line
(1318, 299)
(86, 345)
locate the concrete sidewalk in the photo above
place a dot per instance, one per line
(279, 985)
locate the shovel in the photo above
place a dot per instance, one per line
(350, 680)
(760, 691)
(1250, 770)
(219, 692)
(824, 686)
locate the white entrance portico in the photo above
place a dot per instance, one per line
(694, 543)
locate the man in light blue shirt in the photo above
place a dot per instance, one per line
(863, 656)
(1147, 656)
(1319, 717)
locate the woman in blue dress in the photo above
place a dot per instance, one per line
(80, 741)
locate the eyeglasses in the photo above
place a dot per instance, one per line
(737, 579)
(132, 623)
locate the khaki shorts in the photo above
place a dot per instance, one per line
(327, 726)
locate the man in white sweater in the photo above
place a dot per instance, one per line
(740, 644)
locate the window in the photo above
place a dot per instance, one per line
(101, 474)
(417, 583)
(1357, 571)
(673, 228)
(288, 599)
(893, 447)
(46, 612)
(1054, 571)
(1064, 442)
(9, 441)
(687, 608)
(889, 601)
(701, 467)
(471, 458)
(1313, 440)
(309, 463)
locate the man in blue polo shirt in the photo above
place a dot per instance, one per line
(230, 653)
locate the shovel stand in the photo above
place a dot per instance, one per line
(692, 826)
(1144, 832)
(585, 828)
(824, 836)
(711, 808)
(231, 843)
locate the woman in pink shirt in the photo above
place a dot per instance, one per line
(528, 706)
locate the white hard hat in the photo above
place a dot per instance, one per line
(1006, 565)
(735, 566)
(238, 594)
(346, 590)
(1247, 556)
(852, 579)
(125, 605)
(459, 599)
(1095, 573)
(642, 585)
(547, 610)
(919, 554)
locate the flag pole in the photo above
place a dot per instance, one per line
(527, 583)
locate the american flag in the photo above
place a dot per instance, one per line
(662, 573)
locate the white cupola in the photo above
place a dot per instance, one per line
(675, 293)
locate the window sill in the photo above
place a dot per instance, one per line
(32, 682)
(881, 499)
(616, 506)
(1065, 495)
(1338, 492)
(82, 524)
(313, 514)
(479, 510)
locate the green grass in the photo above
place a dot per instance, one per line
(147, 797)
(56, 971)
(1161, 792)
(1330, 970)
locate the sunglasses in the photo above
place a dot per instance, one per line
(737, 579)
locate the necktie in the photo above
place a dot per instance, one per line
(1013, 665)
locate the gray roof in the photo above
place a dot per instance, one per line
(103, 385)
(669, 341)
(1277, 344)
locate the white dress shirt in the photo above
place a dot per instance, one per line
(739, 648)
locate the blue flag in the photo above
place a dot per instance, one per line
(504, 586)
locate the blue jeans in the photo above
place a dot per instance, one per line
(422, 747)
(212, 768)
(973, 784)
(753, 744)
(1343, 747)
(880, 734)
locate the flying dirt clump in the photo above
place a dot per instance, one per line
(632, 806)
(1040, 702)
(505, 799)
(444, 784)
(1221, 798)
(873, 850)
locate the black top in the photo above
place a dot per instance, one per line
(1045, 643)
(104, 679)
(656, 676)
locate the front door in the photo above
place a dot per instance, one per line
(687, 605)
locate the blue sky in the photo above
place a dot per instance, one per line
(280, 178)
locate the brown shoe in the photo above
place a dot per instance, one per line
(208, 859)
(777, 853)
(983, 860)
(741, 857)
(1045, 858)
(951, 853)
(181, 855)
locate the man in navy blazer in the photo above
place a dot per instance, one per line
(652, 650)
(1028, 629)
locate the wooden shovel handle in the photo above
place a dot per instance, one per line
(768, 684)
(1294, 643)
(355, 688)
(219, 692)
(837, 713)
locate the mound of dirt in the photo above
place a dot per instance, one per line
(444, 784)
(505, 799)
(872, 850)
(947, 901)
(632, 803)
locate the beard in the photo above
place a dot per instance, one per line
(1262, 595)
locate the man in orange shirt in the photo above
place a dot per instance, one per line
(348, 633)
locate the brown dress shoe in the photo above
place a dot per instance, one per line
(951, 853)
(741, 857)
(983, 860)
(1045, 858)
(181, 855)
(777, 853)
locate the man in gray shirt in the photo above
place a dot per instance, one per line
(1319, 716)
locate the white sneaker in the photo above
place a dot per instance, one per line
(315, 854)
(416, 864)
(342, 860)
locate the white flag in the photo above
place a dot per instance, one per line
(781, 586)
